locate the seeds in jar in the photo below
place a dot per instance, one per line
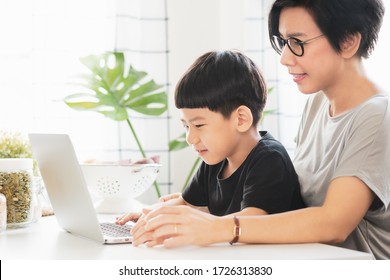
(16, 187)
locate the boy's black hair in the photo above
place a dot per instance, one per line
(337, 19)
(221, 82)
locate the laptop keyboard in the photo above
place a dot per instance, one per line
(114, 230)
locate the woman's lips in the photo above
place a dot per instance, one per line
(298, 77)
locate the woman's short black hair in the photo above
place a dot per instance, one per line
(337, 19)
(221, 82)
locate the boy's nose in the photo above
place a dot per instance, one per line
(191, 138)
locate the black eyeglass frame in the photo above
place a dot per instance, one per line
(287, 42)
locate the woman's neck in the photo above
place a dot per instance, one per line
(350, 90)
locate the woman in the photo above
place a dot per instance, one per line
(343, 143)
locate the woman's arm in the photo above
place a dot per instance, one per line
(347, 201)
(142, 235)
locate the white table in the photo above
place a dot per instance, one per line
(45, 240)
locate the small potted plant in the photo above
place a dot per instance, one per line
(14, 145)
(112, 89)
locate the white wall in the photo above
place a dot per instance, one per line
(196, 27)
(376, 65)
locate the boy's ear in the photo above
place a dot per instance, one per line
(351, 45)
(244, 118)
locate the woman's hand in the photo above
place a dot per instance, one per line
(138, 229)
(174, 226)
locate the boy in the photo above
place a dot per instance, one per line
(221, 98)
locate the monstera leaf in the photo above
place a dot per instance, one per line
(112, 89)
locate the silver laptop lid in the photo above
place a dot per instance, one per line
(65, 184)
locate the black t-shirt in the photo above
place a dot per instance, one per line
(265, 180)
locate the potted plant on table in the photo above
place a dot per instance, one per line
(113, 89)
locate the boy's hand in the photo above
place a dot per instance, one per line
(133, 217)
(168, 197)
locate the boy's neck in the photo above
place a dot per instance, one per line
(249, 141)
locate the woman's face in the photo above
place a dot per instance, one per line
(320, 66)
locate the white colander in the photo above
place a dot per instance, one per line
(116, 186)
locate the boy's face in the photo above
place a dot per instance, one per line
(212, 136)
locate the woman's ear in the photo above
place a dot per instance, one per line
(244, 118)
(351, 45)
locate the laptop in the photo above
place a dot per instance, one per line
(68, 192)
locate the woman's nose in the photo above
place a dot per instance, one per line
(287, 58)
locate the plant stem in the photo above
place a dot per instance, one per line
(189, 176)
(156, 187)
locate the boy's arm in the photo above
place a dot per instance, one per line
(249, 211)
(169, 200)
(180, 201)
(170, 196)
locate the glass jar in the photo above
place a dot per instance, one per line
(38, 199)
(3, 212)
(16, 183)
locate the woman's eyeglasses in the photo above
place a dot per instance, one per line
(295, 45)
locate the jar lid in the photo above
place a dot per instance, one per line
(9, 164)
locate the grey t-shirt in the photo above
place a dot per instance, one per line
(355, 143)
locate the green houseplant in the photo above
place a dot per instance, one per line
(112, 89)
(14, 145)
